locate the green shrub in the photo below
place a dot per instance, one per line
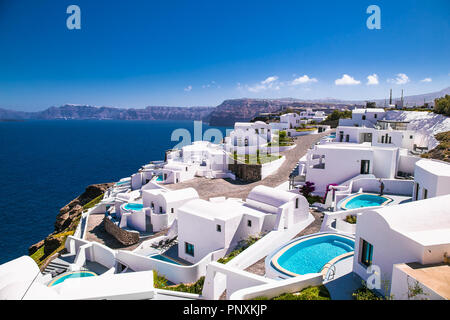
(310, 293)
(350, 219)
(364, 293)
(244, 245)
(93, 202)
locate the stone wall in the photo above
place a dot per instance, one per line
(125, 237)
(246, 172)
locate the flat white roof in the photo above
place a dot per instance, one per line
(425, 221)
(438, 168)
(370, 110)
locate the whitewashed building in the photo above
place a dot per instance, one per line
(431, 179)
(416, 232)
(220, 224)
(363, 117)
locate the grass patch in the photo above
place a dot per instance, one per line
(160, 282)
(93, 202)
(305, 129)
(256, 159)
(364, 293)
(243, 245)
(310, 293)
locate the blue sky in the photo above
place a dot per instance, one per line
(191, 53)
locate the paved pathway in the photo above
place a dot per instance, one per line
(208, 188)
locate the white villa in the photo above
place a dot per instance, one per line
(408, 243)
(248, 137)
(225, 222)
(363, 117)
(432, 179)
(336, 163)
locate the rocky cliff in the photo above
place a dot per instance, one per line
(66, 223)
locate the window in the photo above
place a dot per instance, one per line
(256, 131)
(249, 223)
(160, 210)
(296, 203)
(364, 117)
(365, 166)
(347, 138)
(425, 193)
(219, 228)
(171, 210)
(375, 116)
(186, 168)
(165, 176)
(417, 191)
(153, 205)
(410, 137)
(366, 253)
(189, 248)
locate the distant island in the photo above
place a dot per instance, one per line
(225, 114)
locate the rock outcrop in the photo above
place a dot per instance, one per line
(68, 218)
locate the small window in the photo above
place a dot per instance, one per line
(410, 137)
(186, 168)
(189, 248)
(160, 210)
(296, 203)
(364, 117)
(249, 223)
(153, 205)
(219, 228)
(366, 253)
(425, 193)
(171, 210)
(375, 115)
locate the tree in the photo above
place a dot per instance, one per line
(307, 189)
(442, 105)
(371, 104)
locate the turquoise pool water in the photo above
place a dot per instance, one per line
(134, 206)
(122, 182)
(77, 274)
(363, 200)
(163, 258)
(160, 178)
(311, 255)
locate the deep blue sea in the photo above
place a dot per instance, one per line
(46, 164)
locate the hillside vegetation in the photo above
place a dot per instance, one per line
(442, 151)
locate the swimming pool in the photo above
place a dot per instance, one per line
(71, 275)
(164, 258)
(133, 206)
(363, 200)
(311, 254)
(122, 182)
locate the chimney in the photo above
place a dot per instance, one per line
(390, 98)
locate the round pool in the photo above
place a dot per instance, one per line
(363, 200)
(310, 254)
(133, 206)
(71, 275)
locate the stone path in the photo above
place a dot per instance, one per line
(209, 188)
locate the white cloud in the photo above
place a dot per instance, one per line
(346, 80)
(426, 80)
(188, 88)
(372, 79)
(270, 80)
(400, 79)
(303, 79)
(268, 83)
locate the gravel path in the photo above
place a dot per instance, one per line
(208, 188)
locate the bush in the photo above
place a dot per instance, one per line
(350, 219)
(364, 293)
(244, 245)
(310, 293)
(307, 189)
